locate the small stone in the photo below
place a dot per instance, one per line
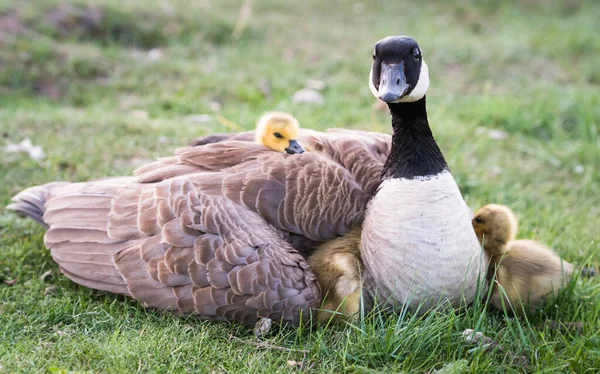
(497, 134)
(292, 363)
(155, 54)
(262, 327)
(472, 336)
(315, 84)
(215, 104)
(196, 119)
(308, 96)
(50, 290)
(480, 130)
(26, 146)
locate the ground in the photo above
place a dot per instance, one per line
(514, 104)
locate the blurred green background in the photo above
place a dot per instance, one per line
(105, 86)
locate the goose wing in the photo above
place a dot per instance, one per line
(247, 136)
(362, 153)
(376, 143)
(217, 244)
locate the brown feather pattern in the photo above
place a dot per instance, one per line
(219, 230)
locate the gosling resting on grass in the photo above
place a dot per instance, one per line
(338, 267)
(525, 270)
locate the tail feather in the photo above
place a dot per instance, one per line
(31, 201)
(76, 216)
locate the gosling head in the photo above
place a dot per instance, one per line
(399, 74)
(279, 131)
(496, 225)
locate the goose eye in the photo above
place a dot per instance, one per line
(416, 54)
(374, 56)
(278, 135)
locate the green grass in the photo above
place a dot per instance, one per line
(528, 68)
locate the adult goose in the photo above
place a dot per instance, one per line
(220, 230)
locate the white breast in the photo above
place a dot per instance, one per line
(418, 244)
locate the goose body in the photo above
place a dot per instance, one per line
(223, 230)
(428, 218)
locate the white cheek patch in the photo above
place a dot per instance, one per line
(374, 90)
(416, 94)
(420, 89)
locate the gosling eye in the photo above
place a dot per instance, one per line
(478, 219)
(416, 54)
(278, 135)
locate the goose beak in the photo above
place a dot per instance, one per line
(392, 82)
(294, 147)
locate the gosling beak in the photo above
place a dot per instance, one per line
(294, 147)
(392, 82)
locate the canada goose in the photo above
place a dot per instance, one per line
(525, 271)
(218, 230)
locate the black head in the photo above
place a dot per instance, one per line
(399, 73)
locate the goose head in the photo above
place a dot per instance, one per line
(399, 74)
(279, 131)
(496, 225)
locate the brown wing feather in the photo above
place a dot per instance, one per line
(211, 157)
(362, 153)
(211, 243)
(217, 138)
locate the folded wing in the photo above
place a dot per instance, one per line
(223, 245)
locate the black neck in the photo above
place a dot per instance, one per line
(414, 151)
